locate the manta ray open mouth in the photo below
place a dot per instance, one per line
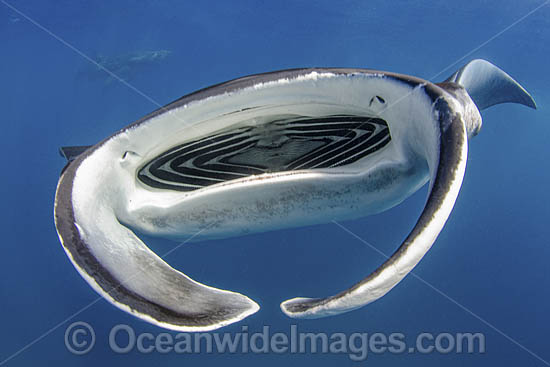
(284, 144)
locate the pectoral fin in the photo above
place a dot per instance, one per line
(446, 179)
(122, 269)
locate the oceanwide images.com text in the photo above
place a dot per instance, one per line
(80, 338)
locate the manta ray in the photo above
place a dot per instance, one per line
(263, 152)
(126, 65)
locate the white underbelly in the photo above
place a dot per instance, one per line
(264, 203)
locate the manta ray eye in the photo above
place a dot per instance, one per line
(128, 158)
(377, 100)
(128, 154)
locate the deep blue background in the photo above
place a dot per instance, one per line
(491, 257)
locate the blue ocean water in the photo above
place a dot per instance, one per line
(487, 273)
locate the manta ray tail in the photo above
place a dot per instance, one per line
(487, 85)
